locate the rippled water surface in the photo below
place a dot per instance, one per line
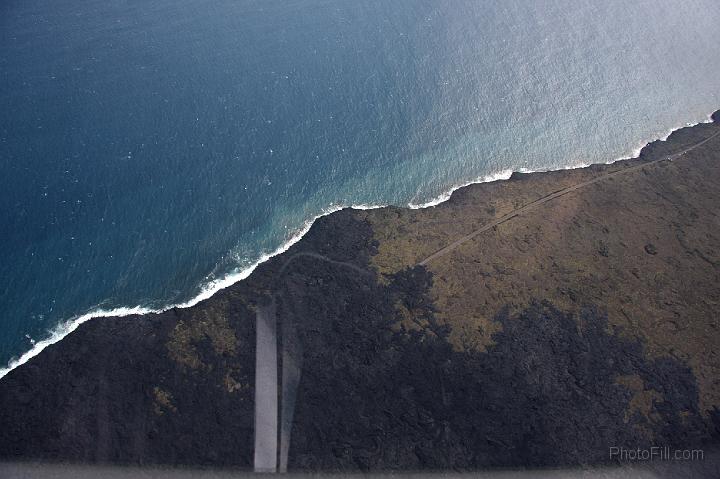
(149, 148)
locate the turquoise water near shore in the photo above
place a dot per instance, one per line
(155, 150)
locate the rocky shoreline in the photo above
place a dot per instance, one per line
(547, 336)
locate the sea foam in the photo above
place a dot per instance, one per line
(206, 292)
(209, 289)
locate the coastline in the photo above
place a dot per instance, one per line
(208, 290)
(580, 318)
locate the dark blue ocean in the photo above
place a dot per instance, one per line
(150, 149)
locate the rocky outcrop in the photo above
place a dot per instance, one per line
(587, 323)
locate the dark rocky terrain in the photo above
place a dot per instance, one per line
(586, 322)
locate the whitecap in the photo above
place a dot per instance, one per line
(209, 289)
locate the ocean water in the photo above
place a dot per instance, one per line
(154, 150)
